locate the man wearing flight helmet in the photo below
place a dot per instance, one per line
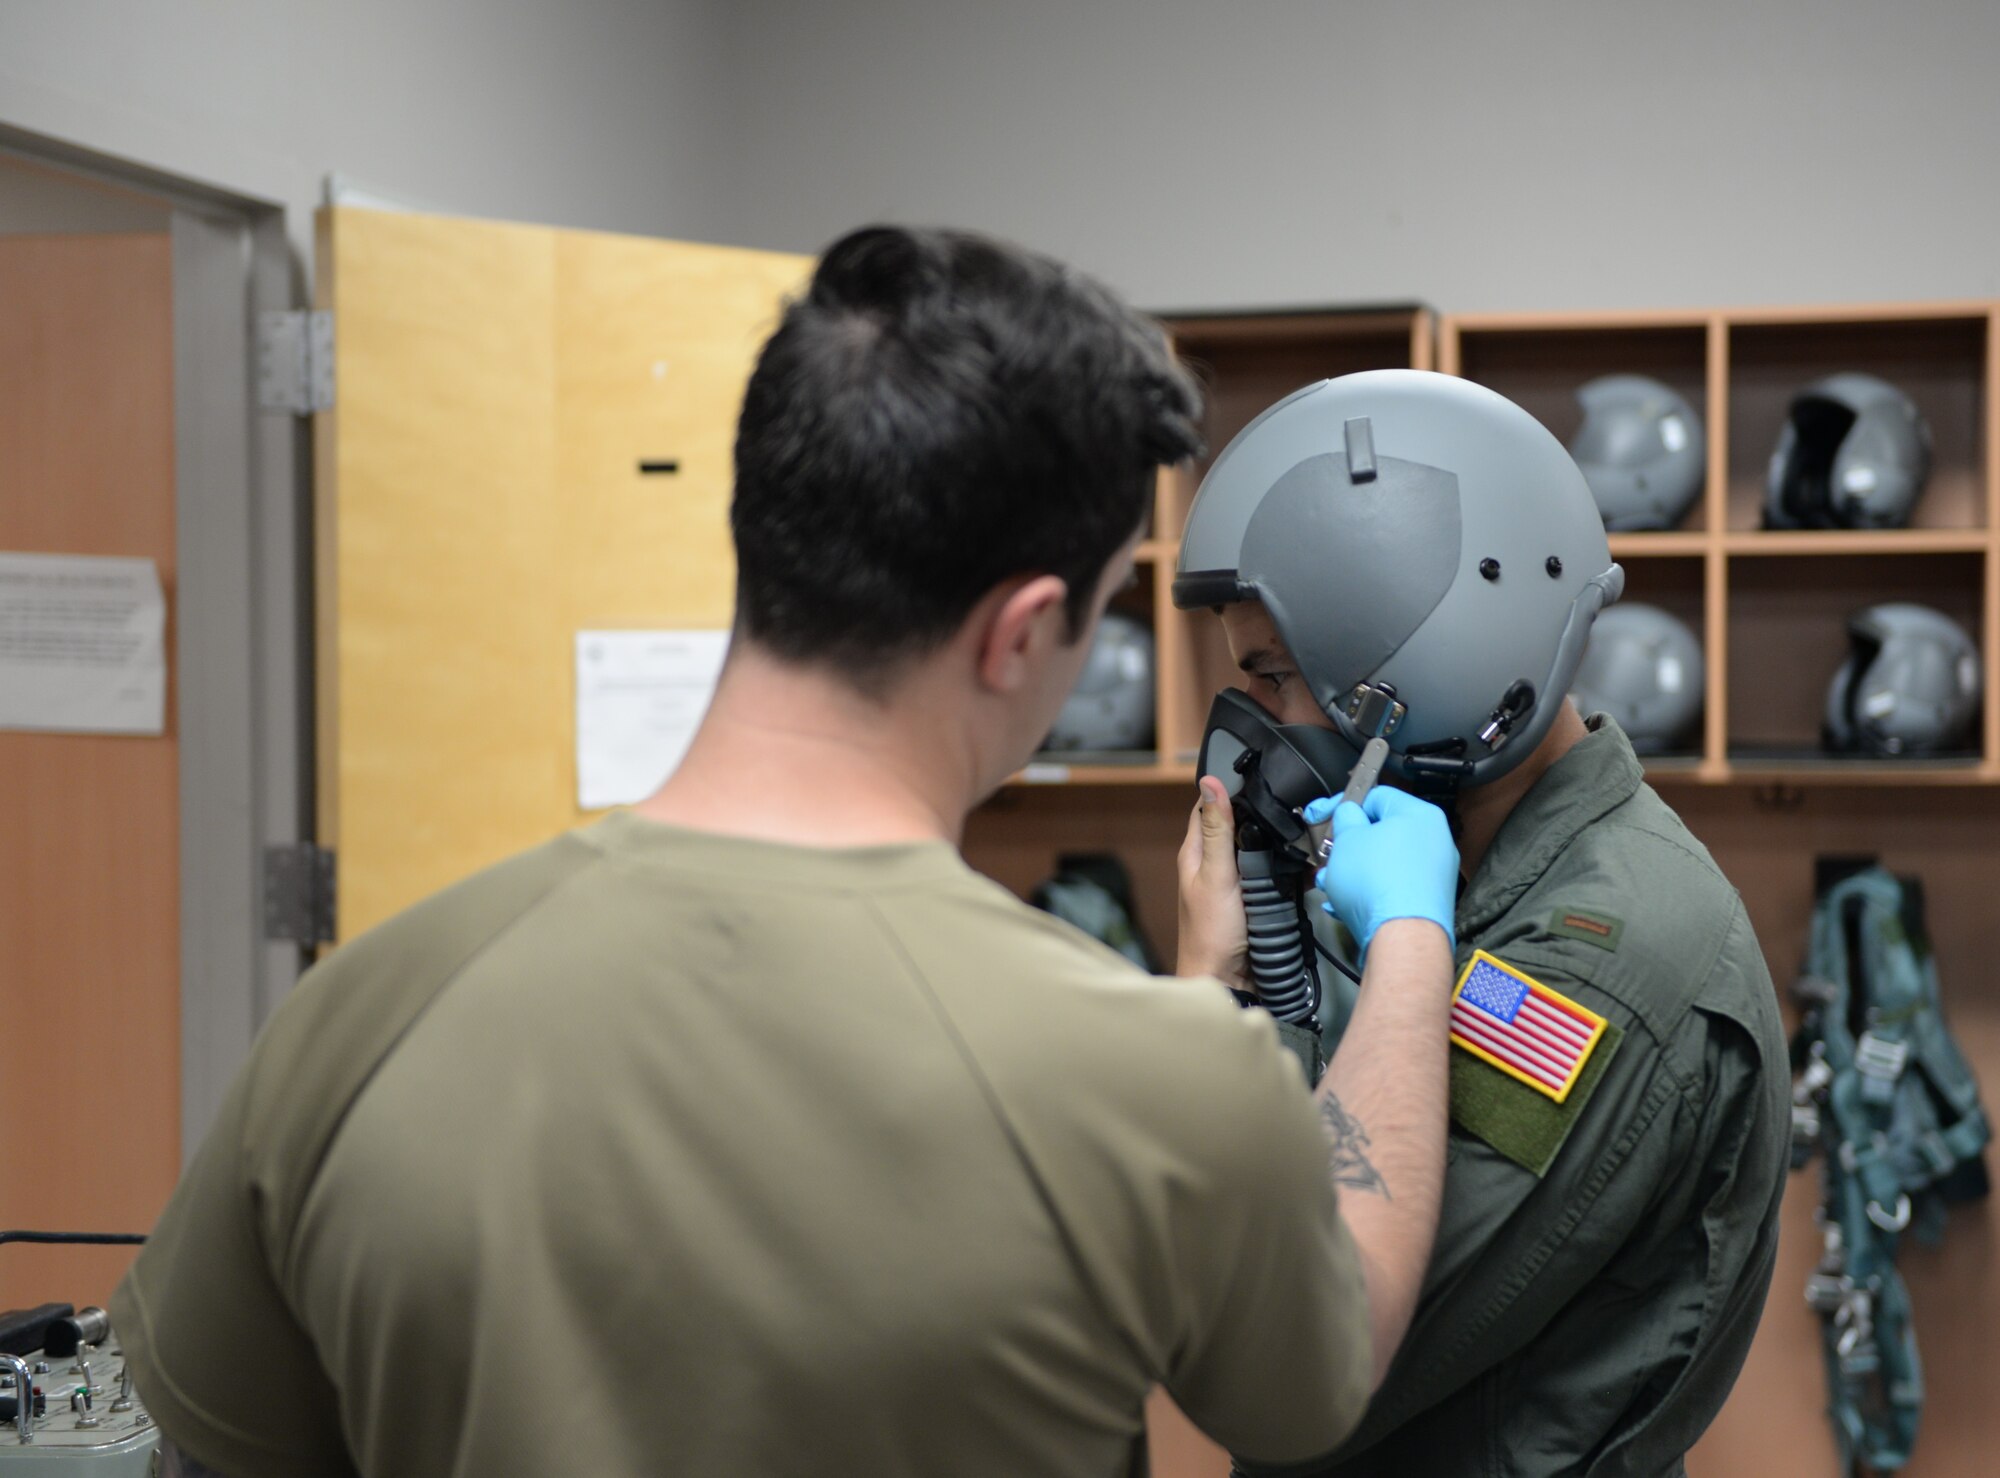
(1411, 556)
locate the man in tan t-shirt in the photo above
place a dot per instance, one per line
(750, 1132)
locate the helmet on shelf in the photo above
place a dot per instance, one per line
(1854, 454)
(1644, 668)
(1429, 553)
(1910, 684)
(1111, 706)
(1642, 450)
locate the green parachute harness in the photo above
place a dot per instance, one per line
(1887, 1102)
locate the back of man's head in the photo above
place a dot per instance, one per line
(938, 413)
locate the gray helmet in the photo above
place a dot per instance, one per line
(1426, 549)
(1854, 454)
(1910, 684)
(1111, 706)
(1644, 668)
(1642, 451)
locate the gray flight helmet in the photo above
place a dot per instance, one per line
(1644, 668)
(1855, 454)
(1910, 685)
(1642, 450)
(1111, 706)
(1429, 553)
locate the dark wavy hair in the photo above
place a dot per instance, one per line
(938, 413)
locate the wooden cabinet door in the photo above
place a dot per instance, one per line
(481, 497)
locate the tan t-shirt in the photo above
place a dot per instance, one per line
(656, 1152)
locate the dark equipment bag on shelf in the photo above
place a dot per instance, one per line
(1093, 891)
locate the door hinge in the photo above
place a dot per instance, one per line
(295, 360)
(298, 893)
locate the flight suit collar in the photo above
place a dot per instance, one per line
(1599, 774)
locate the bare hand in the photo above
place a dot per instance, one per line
(1214, 936)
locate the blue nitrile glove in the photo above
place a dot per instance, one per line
(1393, 858)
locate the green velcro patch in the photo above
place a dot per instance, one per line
(1592, 928)
(1525, 1126)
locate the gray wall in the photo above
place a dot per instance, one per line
(584, 112)
(1482, 154)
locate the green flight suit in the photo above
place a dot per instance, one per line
(1591, 1318)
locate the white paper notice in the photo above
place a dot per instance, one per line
(82, 644)
(639, 697)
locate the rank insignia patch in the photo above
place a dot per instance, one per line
(1536, 1035)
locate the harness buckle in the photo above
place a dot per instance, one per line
(1827, 1293)
(1880, 1061)
(1805, 1133)
(1887, 1221)
(1855, 1320)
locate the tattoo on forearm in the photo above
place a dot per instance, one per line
(1347, 1150)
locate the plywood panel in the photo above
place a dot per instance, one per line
(89, 825)
(481, 498)
(441, 678)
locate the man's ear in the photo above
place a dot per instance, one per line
(1020, 630)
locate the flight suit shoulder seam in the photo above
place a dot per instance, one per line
(1640, 826)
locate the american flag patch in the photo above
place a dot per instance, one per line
(1522, 1027)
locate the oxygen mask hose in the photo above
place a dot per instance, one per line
(1275, 882)
(1275, 879)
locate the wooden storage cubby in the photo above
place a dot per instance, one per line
(1789, 617)
(1937, 355)
(1540, 363)
(1774, 603)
